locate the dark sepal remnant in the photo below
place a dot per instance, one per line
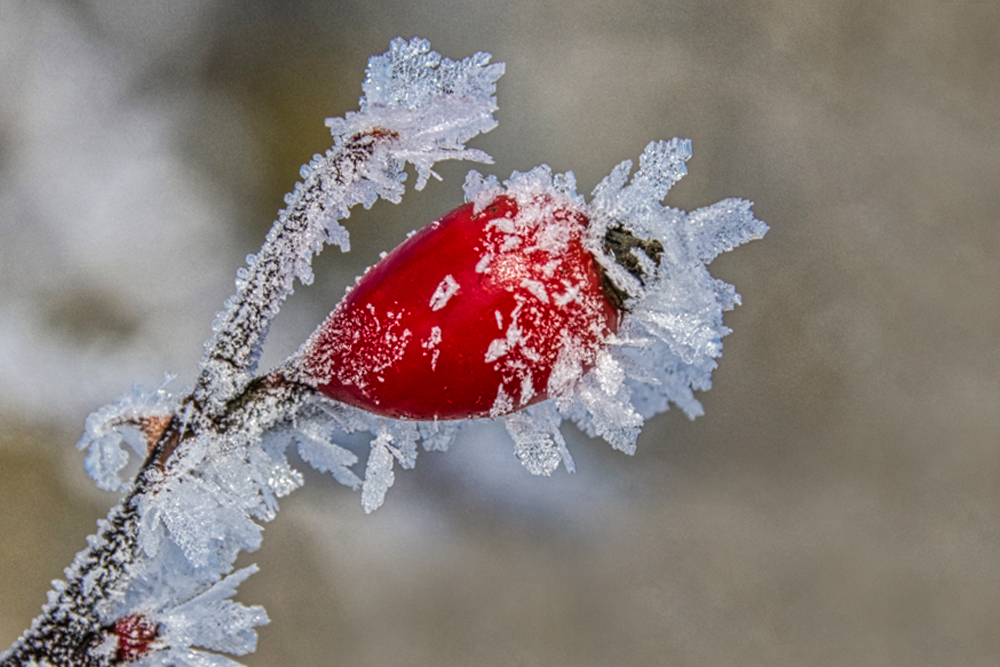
(620, 242)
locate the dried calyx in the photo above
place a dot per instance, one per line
(620, 243)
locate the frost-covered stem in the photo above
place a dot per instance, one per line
(158, 578)
(70, 627)
(231, 354)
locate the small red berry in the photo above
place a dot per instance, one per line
(135, 634)
(468, 317)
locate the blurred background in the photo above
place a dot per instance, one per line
(838, 503)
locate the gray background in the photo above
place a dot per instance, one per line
(837, 504)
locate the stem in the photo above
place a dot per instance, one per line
(418, 108)
(299, 233)
(71, 623)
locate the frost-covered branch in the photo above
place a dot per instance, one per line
(544, 308)
(126, 579)
(154, 583)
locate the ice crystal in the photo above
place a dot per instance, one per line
(447, 289)
(317, 449)
(672, 332)
(126, 422)
(212, 621)
(538, 443)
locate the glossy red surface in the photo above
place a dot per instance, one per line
(467, 317)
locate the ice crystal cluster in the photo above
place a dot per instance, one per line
(154, 586)
(668, 340)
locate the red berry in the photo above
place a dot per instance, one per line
(135, 634)
(468, 317)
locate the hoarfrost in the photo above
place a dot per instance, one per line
(484, 264)
(481, 190)
(447, 288)
(673, 332)
(536, 288)
(378, 473)
(668, 341)
(105, 431)
(433, 340)
(438, 436)
(395, 440)
(316, 449)
(538, 443)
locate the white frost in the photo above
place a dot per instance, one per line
(447, 288)
(433, 340)
(536, 288)
(538, 443)
(211, 620)
(114, 425)
(394, 440)
(668, 341)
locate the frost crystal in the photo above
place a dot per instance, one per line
(211, 620)
(447, 289)
(395, 440)
(132, 420)
(538, 443)
(672, 332)
(316, 449)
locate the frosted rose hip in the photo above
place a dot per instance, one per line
(467, 317)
